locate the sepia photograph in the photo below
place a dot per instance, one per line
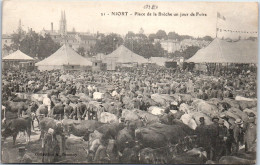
(129, 82)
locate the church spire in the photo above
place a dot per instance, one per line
(64, 16)
(20, 26)
(63, 24)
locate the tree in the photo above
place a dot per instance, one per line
(130, 35)
(47, 46)
(33, 44)
(161, 34)
(141, 31)
(107, 44)
(152, 37)
(144, 47)
(190, 51)
(17, 39)
(7, 48)
(173, 36)
(207, 38)
(81, 51)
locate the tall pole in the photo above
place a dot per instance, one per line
(217, 26)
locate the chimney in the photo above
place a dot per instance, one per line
(51, 27)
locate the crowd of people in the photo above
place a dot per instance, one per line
(140, 83)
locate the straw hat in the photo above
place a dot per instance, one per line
(239, 121)
(215, 117)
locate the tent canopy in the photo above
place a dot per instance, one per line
(124, 55)
(17, 55)
(64, 56)
(221, 51)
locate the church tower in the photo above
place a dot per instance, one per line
(63, 24)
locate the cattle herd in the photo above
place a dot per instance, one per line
(149, 115)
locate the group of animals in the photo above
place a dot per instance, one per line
(135, 136)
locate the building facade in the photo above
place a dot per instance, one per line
(72, 38)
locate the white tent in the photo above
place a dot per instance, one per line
(63, 58)
(123, 55)
(221, 51)
(18, 56)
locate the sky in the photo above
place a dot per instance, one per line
(85, 16)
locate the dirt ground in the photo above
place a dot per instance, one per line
(75, 152)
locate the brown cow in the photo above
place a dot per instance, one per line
(14, 126)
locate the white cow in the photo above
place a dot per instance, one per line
(156, 110)
(38, 97)
(189, 121)
(241, 98)
(98, 96)
(107, 117)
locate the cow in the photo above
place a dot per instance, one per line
(185, 108)
(247, 104)
(16, 107)
(31, 112)
(46, 124)
(233, 103)
(188, 120)
(235, 160)
(110, 130)
(238, 113)
(148, 117)
(107, 117)
(162, 99)
(196, 116)
(41, 111)
(82, 128)
(14, 126)
(130, 155)
(159, 135)
(194, 156)
(154, 156)
(249, 156)
(156, 110)
(83, 97)
(205, 107)
(98, 96)
(58, 111)
(129, 115)
(125, 138)
(38, 97)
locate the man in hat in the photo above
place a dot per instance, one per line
(23, 157)
(213, 133)
(221, 139)
(81, 110)
(238, 135)
(47, 101)
(67, 109)
(250, 132)
(203, 136)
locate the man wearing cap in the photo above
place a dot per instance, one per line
(250, 132)
(238, 135)
(203, 136)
